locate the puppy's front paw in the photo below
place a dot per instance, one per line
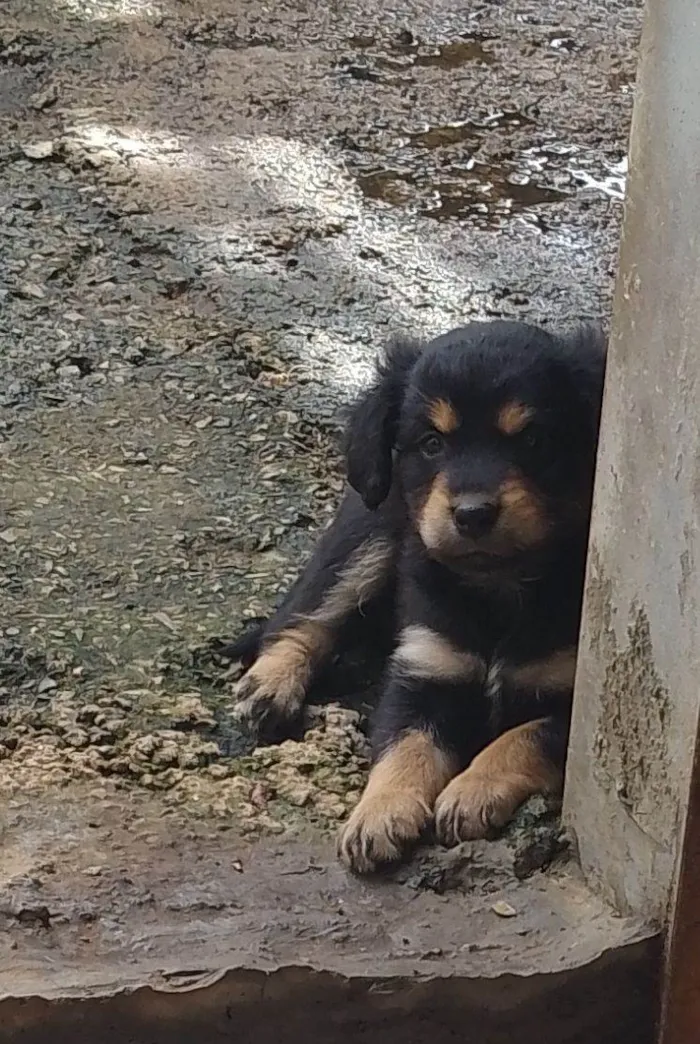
(380, 830)
(484, 797)
(260, 703)
(475, 805)
(272, 692)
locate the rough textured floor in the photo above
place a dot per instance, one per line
(213, 212)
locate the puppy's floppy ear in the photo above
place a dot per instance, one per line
(372, 428)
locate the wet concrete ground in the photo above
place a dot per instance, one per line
(212, 215)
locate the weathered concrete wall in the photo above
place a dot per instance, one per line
(638, 685)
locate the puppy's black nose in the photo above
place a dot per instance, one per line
(475, 516)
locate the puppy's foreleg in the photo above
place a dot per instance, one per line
(351, 567)
(526, 759)
(429, 681)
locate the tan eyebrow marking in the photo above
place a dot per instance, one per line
(513, 417)
(444, 416)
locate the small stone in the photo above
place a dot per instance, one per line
(259, 795)
(40, 150)
(9, 536)
(43, 99)
(31, 290)
(77, 738)
(46, 684)
(219, 771)
(69, 372)
(504, 909)
(189, 710)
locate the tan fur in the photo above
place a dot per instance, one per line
(422, 653)
(282, 672)
(435, 520)
(443, 416)
(513, 418)
(522, 518)
(278, 680)
(551, 674)
(485, 796)
(522, 521)
(361, 579)
(397, 802)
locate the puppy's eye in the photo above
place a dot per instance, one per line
(431, 445)
(535, 440)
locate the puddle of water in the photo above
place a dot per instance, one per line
(467, 130)
(612, 183)
(447, 134)
(621, 82)
(387, 186)
(406, 52)
(361, 42)
(582, 167)
(455, 54)
(488, 193)
(564, 43)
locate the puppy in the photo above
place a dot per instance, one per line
(470, 463)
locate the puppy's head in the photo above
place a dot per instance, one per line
(490, 432)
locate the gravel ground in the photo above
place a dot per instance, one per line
(212, 214)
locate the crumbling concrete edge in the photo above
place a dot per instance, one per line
(615, 993)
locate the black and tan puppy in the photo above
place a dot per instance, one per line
(470, 463)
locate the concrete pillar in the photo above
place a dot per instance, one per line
(638, 685)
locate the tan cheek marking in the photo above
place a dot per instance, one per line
(443, 416)
(551, 674)
(522, 512)
(435, 519)
(422, 653)
(513, 417)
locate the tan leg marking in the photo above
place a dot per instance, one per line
(423, 653)
(551, 674)
(277, 683)
(278, 680)
(397, 804)
(484, 797)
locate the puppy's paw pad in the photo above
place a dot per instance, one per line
(256, 702)
(380, 830)
(473, 807)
